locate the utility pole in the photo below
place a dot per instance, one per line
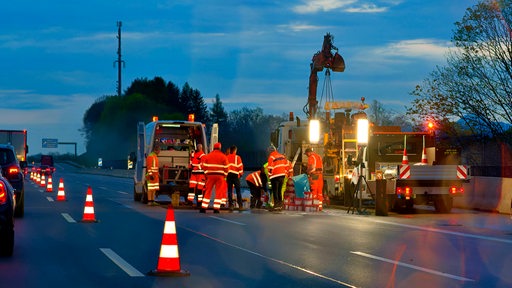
(119, 61)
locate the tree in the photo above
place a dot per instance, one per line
(473, 92)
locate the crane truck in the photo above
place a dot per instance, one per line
(177, 140)
(339, 145)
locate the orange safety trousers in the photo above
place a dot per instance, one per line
(216, 182)
(317, 186)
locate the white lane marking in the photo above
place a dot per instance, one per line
(122, 192)
(435, 272)
(272, 259)
(50, 199)
(68, 217)
(446, 232)
(226, 220)
(129, 269)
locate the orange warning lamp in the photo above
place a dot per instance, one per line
(191, 117)
(155, 118)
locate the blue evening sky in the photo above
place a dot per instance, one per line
(57, 57)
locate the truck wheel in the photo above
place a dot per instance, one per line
(443, 203)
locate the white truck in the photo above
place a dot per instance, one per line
(177, 139)
(434, 182)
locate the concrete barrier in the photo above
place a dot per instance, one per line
(487, 194)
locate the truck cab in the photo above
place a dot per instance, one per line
(177, 140)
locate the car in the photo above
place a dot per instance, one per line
(7, 207)
(11, 171)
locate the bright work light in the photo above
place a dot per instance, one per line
(362, 131)
(314, 131)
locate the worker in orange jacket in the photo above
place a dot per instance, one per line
(152, 178)
(235, 171)
(197, 178)
(257, 182)
(277, 167)
(215, 165)
(315, 175)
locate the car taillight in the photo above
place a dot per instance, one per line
(455, 190)
(13, 170)
(337, 178)
(3, 193)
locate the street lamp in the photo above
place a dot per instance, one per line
(362, 131)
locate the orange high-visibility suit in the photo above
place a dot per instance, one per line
(215, 165)
(316, 179)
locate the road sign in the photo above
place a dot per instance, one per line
(50, 143)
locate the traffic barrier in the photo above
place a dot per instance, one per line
(61, 195)
(49, 185)
(169, 258)
(89, 207)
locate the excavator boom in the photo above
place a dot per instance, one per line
(324, 59)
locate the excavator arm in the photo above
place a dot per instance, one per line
(322, 59)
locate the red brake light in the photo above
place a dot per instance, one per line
(13, 170)
(455, 190)
(3, 193)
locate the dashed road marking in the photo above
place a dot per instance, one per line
(68, 217)
(50, 199)
(398, 263)
(129, 269)
(226, 220)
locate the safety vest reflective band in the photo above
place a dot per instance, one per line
(277, 165)
(215, 163)
(255, 179)
(195, 161)
(235, 164)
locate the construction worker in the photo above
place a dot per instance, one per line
(215, 166)
(152, 178)
(197, 178)
(235, 171)
(315, 176)
(257, 182)
(277, 169)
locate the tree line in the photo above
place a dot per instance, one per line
(110, 123)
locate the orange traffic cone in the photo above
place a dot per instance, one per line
(61, 195)
(405, 159)
(49, 185)
(424, 157)
(89, 207)
(43, 181)
(169, 260)
(38, 178)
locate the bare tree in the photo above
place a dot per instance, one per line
(474, 89)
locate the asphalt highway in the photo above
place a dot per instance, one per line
(257, 248)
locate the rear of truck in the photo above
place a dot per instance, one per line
(177, 140)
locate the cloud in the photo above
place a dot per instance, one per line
(314, 6)
(366, 8)
(349, 6)
(429, 49)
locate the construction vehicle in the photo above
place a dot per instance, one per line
(177, 140)
(413, 168)
(339, 146)
(338, 141)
